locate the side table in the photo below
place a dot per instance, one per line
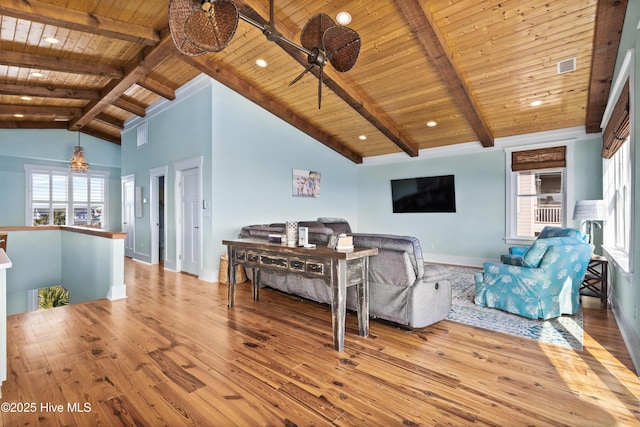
(596, 279)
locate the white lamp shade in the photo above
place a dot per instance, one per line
(593, 210)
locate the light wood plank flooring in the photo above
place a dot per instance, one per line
(173, 354)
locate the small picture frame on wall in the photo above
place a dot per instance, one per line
(305, 183)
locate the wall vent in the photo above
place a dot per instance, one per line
(142, 134)
(567, 66)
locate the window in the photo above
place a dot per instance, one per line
(618, 196)
(539, 201)
(57, 196)
(618, 165)
(537, 190)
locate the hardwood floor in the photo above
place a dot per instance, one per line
(173, 354)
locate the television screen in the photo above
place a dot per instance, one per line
(428, 194)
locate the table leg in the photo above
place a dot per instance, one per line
(339, 303)
(231, 275)
(363, 299)
(256, 283)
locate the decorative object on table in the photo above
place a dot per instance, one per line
(291, 229)
(590, 211)
(305, 183)
(303, 236)
(564, 331)
(344, 243)
(333, 242)
(277, 238)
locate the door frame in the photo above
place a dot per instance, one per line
(128, 179)
(179, 168)
(154, 216)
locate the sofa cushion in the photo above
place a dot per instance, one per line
(549, 231)
(390, 242)
(338, 225)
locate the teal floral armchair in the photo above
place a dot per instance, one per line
(516, 253)
(544, 286)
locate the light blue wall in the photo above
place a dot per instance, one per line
(476, 231)
(253, 158)
(180, 132)
(51, 148)
(248, 157)
(23, 247)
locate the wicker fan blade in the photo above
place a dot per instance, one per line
(342, 45)
(212, 27)
(311, 35)
(179, 12)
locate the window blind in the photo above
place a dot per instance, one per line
(542, 158)
(618, 128)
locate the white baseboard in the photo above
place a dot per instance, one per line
(626, 329)
(454, 260)
(117, 292)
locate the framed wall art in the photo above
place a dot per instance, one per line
(305, 183)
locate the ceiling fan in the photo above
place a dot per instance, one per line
(209, 27)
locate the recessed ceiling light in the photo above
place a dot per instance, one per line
(536, 103)
(26, 98)
(362, 137)
(432, 123)
(51, 40)
(343, 18)
(18, 115)
(261, 63)
(37, 74)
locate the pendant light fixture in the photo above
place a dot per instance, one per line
(78, 163)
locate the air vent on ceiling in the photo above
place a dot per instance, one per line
(567, 66)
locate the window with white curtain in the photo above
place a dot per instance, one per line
(57, 196)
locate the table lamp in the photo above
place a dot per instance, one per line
(590, 211)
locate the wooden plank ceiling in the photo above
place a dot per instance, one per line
(473, 67)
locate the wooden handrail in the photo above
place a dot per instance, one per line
(74, 229)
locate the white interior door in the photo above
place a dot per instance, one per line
(128, 214)
(191, 227)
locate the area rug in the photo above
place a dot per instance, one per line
(565, 331)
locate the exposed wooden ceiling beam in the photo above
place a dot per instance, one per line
(128, 105)
(422, 26)
(110, 121)
(348, 94)
(39, 110)
(41, 62)
(101, 135)
(50, 14)
(157, 88)
(136, 70)
(609, 21)
(208, 65)
(30, 124)
(48, 92)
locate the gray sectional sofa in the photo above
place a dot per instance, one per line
(402, 289)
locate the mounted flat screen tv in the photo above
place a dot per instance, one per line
(428, 194)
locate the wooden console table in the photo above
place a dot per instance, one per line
(595, 283)
(337, 268)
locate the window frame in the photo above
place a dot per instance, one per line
(69, 203)
(622, 259)
(511, 187)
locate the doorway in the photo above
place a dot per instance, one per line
(189, 216)
(158, 197)
(128, 214)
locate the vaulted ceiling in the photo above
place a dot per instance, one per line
(473, 67)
